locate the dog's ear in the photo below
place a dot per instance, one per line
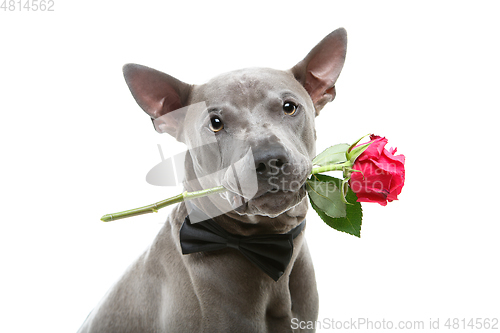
(319, 70)
(158, 94)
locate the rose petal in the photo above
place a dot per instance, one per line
(374, 149)
(373, 197)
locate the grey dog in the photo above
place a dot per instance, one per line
(270, 113)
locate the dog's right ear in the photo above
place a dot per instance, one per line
(158, 94)
(320, 69)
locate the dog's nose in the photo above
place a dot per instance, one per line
(270, 161)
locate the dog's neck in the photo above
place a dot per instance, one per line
(243, 224)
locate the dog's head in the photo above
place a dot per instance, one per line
(251, 130)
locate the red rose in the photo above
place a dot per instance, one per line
(382, 173)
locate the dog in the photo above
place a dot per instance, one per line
(263, 113)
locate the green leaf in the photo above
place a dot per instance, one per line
(327, 196)
(354, 154)
(351, 223)
(334, 154)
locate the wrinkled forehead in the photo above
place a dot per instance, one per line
(248, 87)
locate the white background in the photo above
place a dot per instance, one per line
(74, 146)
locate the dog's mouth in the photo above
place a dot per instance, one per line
(271, 203)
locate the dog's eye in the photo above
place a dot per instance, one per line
(216, 124)
(289, 108)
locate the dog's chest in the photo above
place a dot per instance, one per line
(236, 308)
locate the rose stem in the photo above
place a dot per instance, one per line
(153, 208)
(331, 167)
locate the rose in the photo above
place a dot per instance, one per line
(382, 174)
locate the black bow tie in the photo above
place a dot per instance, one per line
(271, 253)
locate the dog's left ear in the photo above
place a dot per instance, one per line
(319, 70)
